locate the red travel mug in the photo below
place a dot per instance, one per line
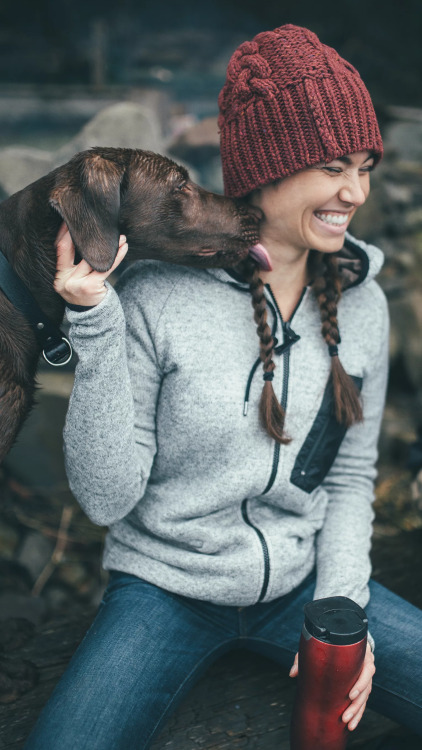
(331, 654)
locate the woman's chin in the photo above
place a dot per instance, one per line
(330, 244)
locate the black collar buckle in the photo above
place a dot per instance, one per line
(58, 354)
(56, 349)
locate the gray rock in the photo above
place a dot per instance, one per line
(31, 608)
(212, 175)
(417, 491)
(125, 125)
(399, 194)
(19, 166)
(198, 143)
(35, 552)
(406, 334)
(413, 220)
(9, 539)
(405, 140)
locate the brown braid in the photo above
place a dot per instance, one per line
(270, 411)
(327, 289)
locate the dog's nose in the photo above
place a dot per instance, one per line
(256, 212)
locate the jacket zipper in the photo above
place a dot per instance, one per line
(264, 546)
(286, 371)
(284, 349)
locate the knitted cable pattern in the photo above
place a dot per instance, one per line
(247, 80)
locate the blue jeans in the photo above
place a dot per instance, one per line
(147, 647)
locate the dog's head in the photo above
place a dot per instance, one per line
(105, 192)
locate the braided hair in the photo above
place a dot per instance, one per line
(270, 411)
(327, 290)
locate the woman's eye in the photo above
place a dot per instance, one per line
(333, 170)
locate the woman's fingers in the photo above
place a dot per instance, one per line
(354, 712)
(356, 719)
(295, 667)
(123, 248)
(360, 692)
(366, 675)
(64, 248)
(80, 284)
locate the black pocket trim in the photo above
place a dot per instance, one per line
(321, 445)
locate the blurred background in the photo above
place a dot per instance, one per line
(146, 74)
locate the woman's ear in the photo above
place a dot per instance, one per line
(87, 197)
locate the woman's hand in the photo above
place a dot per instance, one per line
(80, 284)
(359, 693)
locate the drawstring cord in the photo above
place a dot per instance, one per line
(290, 337)
(248, 386)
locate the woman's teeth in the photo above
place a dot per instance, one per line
(337, 219)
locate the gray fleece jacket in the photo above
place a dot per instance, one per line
(198, 499)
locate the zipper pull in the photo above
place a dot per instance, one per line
(290, 337)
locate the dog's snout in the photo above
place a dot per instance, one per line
(256, 212)
(252, 212)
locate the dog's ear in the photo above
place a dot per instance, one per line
(87, 196)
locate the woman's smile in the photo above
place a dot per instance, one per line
(333, 222)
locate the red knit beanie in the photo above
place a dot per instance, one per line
(290, 102)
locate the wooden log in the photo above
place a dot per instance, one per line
(244, 701)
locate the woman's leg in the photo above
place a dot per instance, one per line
(142, 653)
(396, 627)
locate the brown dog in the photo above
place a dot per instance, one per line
(100, 194)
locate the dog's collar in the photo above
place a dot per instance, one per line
(56, 349)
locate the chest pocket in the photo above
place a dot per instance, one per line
(322, 444)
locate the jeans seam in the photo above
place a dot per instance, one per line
(181, 686)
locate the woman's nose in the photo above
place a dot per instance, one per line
(354, 190)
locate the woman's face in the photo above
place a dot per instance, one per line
(313, 208)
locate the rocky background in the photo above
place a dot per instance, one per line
(161, 95)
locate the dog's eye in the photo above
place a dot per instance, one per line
(182, 187)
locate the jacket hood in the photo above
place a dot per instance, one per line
(358, 263)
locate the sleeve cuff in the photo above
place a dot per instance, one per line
(79, 308)
(80, 314)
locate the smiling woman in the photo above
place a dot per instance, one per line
(237, 477)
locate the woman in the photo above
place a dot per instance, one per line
(231, 502)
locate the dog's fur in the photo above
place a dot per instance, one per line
(101, 194)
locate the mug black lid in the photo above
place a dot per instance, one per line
(337, 620)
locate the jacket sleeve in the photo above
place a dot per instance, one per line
(344, 542)
(108, 450)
